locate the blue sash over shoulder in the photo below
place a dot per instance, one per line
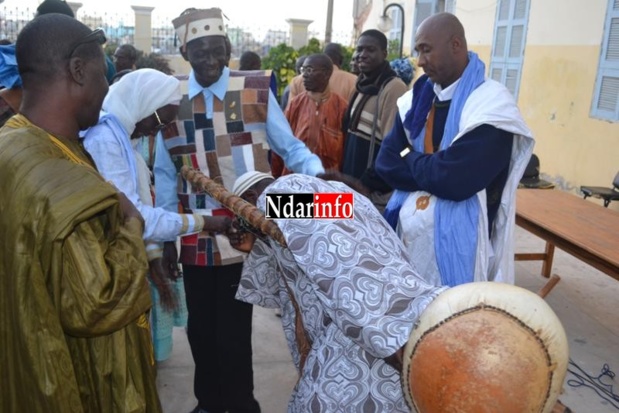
(414, 122)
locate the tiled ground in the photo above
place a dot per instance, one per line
(585, 300)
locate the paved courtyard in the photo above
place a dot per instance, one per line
(585, 300)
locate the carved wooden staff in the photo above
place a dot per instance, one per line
(254, 217)
(241, 208)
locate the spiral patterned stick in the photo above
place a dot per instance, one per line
(252, 215)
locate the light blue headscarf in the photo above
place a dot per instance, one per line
(404, 69)
(9, 74)
(456, 223)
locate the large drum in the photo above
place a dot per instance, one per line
(485, 347)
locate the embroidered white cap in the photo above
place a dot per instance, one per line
(247, 180)
(197, 23)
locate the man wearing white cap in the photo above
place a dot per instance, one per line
(226, 124)
(348, 294)
(247, 180)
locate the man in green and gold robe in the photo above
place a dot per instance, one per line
(74, 335)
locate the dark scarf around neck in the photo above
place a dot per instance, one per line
(368, 86)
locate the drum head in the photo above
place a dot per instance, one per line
(485, 347)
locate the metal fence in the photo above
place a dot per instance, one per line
(256, 38)
(12, 21)
(120, 29)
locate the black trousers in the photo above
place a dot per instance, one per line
(219, 332)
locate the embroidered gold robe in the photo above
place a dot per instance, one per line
(73, 289)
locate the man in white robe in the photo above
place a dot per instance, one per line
(455, 155)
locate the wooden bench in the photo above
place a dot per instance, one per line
(581, 228)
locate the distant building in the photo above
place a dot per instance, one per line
(275, 37)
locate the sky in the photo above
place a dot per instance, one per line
(240, 12)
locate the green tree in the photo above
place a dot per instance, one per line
(281, 60)
(393, 49)
(347, 55)
(312, 47)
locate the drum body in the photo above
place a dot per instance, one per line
(485, 347)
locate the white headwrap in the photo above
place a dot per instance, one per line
(138, 94)
(247, 180)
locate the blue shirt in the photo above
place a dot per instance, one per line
(280, 138)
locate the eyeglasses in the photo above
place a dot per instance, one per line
(97, 35)
(160, 125)
(308, 70)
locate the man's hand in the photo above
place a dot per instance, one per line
(239, 238)
(244, 243)
(128, 209)
(169, 261)
(157, 275)
(354, 183)
(218, 224)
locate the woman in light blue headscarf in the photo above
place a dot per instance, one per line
(404, 69)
